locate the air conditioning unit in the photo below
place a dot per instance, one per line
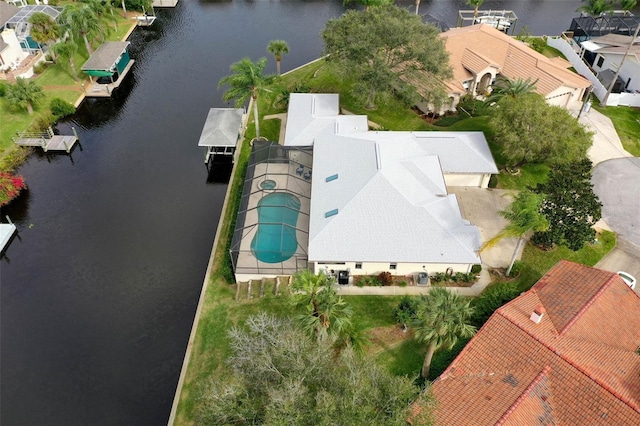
(423, 278)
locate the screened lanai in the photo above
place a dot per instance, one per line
(587, 27)
(272, 227)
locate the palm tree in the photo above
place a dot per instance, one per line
(513, 88)
(476, 5)
(442, 318)
(278, 48)
(24, 94)
(247, 81)
(102, 8)
(44, 29)
(524, 216)
(67, 50)
(628, 5)
(82, 22)
(326, 313)
(596, 8)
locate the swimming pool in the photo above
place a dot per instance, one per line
(275, 240)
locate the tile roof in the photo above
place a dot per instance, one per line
(579, 365)
(471, 48)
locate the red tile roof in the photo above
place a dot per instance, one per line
(578, 366)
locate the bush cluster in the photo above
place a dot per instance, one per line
(61, 108)
(458, 277)
(10, 187)
(491, 299)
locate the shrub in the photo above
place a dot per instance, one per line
(42, 122)
(3, 87)
(385, 278)
(10, 187)
(402, 283)
(491, 299)
(476, 269)
(406, 309)
(61, 108)
(538, 43)
(38, 69)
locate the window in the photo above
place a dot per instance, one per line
(393, 266)
(600, 61)
(358, 265)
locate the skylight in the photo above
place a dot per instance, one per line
(332, 177)
(331, 213)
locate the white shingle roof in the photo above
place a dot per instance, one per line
(392, 205)
(222, 127)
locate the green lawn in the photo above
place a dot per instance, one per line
(626, 120)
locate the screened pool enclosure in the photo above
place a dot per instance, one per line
(272, 227)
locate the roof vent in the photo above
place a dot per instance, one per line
(331, 213)
(537, 314)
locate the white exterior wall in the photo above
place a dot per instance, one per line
(630, 69)
(13, 53)
(477, 180)
(402, 269)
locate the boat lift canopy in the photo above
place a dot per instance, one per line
(221, 131)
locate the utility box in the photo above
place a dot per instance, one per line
(423, 278)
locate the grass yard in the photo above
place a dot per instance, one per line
(626, 120)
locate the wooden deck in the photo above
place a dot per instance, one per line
(55, 143)
(104, 90)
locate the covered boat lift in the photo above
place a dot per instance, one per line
(221, 132)
(110, 61)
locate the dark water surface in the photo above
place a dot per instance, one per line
(98, 294)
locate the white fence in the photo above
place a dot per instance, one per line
(615, 99)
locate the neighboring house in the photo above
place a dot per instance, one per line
(605, 54)
(565, 352)
(19, 22)
(364, 202)
(479, 54)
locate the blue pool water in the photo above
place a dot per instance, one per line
(275, 241)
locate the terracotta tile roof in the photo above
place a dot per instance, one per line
(512, 58)
(579, 365)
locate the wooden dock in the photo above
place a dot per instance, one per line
(47, 140)
(96, 90)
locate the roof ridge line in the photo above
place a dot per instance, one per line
(587, 305)
(569, 361)
(523, 395)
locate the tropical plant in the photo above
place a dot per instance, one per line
(596, 7)
(82, 22)
(278, 48)
(442, 318)
(570, 206)
(66, 50)
(24, 93)
(44, 29)
(406, 310)
(325, 313)
(102, 8)
(383, 51)
(280, 376)
(10, 187)
(247, 81)
(524, 216)
(476, 5)
(628, 5)
(513, 88)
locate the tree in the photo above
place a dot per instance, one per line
(82, 22)
(44, 29)
(66, 50)
(476, 5)
(326, 314)
(24, 94)
(278, 48)
(596, 8)
(524, 216)
(628, 5)
(247, 81)
(279, 376)
(369, 3)
(102, 8)
(513, 88)
(570, 206)
(383, 51)
(528, 130)
(442, 318)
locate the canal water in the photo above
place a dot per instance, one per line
(99, 291)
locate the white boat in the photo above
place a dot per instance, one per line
(145, 20)
(496, 20)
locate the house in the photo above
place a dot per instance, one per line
(605, 54)
(479, 54)
(339, 198)
(566, 352)
(19, 22)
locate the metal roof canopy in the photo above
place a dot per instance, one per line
(106, 56)
(25, 13)
(222, 127)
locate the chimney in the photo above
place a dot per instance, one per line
(537, 314)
